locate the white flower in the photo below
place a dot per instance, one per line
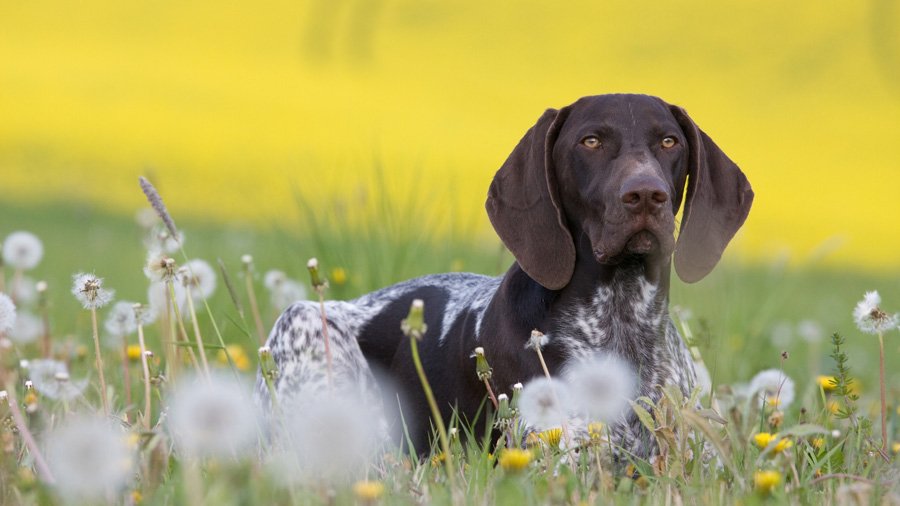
(545, 403)
(121, 321)
(773, 388)
(89, 458)
(157, 295)
(28, 328)
(199, 278)
(273, 279)
(89, 291)
(160, 266)
(7, 314)
(212, 418)
(870, 318)
(601, 387)
(22, 250)
(330, 437)
(287, 293)
(51, 379)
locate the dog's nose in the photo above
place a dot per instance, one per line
(644, 195)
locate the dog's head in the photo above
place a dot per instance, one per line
(614, 167)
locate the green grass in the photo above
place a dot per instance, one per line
(737, 311)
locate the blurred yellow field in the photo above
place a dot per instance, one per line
(230, 106)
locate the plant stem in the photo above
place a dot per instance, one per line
(200, 347)
(39, 462)
(254, 308)
(99, 362)
(435, 413)
(327, 340)
(126, 374)
(884, 440)
(146, 369)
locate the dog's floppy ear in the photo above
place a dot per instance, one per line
(717, 203)
(523, 205)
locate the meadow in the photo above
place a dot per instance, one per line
(745, 318)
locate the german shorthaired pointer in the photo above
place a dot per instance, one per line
(586, 203)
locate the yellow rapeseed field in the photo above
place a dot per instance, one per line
(231, 106)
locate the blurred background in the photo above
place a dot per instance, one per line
(359, 130)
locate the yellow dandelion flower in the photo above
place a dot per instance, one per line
(551, 436)
(134, 352)
(828, 383)
(438, 459)
(818, 443)
(766, 481)
(338, 276)
(532, 439)
(895, 447)
(595, 430)
(368, 491)
(238, 355)
(137, 497)
(132, 440)
(514, 459)
(833, 407)
(763, 439)
(81, 351)
(630, 470)
(30, 398)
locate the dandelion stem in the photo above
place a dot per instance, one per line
(884, 440)
(254, 307)
(196, 326)
(40, 463)
(99, 362)
(543, 364)
(180, 330)
(490, 391)
(146, 370)
(126, 374)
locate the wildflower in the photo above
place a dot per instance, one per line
(764, 439)
(273, 279)
(339, 275)
(121, 320)
(212, 418)
(895, 447)
(545, 403)
(267, 367)
(7, 314)
(551, 436)
(766, 481)
(514, 459)
(595, 430)
(516, 396)
(870, 318)
(22, 250)
(51, 379)
(238, 356)
(818, 443)
(283, 291)
(438, 459)
(827, 383)
(773, 388)
(601, 387)
(199, 278)
(317, 282)
(89, 291)
(414, 324)
(160, 267)
(482, 368)
(368, 491)
(89, 458)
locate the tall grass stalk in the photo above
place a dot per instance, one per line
(145, 367)
(197, 336)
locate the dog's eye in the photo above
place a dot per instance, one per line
(591, 141)
(669, 142)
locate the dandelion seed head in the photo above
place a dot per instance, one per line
(247, 260)
(545, 403)
(41, 286)
(601, 387)
(773, 388)
(313, 263)
(51, 379)
(199, 278)
(870, 318)
(89, 458)
(121, 320)
(7, 314)
(160, 266)
(157, 294)
(89, 291)
(288, 292)
(212, 418)
(22, 250)
(537, 341)
(27, 329)
(273, 279)
(810, 331)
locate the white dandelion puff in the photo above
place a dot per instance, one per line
(89, 291)
(158, 293)
(273, 279)
(7, 314)
(51, 379)
(121, 320)
(601, 387)
(870, 318)
(212, 418)
(545, 403)
(199, 277)
(160, 266)
(28, 328)
(22, 250)
(331, 438)
(773, 388)
(89, 458)
(810, 331)
(288, 292)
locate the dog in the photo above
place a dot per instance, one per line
(586, 203)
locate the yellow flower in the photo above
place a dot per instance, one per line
(818, 443)
(833, 407)
(551, 436)
(514, 459)
(438, 459)
(339, 275)
(238, 355)
(595, 430)
(895, 447)
(764, 439)
(766, 481)
(136, 497)
(134, 352)
(828, 383)
(368, 491)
